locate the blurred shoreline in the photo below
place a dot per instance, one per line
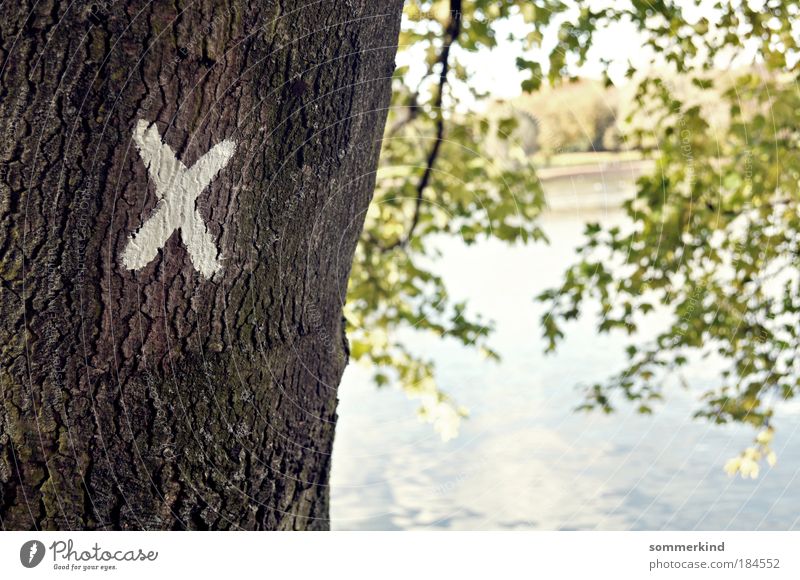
(597, 169)
(596, 182)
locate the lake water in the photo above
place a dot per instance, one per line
(524, 459)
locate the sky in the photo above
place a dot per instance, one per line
(494, 71)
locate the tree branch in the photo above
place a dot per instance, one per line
(451, 35)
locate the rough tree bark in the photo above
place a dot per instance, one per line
(157, 398)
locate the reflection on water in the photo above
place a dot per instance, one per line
(524, 460)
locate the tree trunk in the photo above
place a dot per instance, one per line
(169, 396)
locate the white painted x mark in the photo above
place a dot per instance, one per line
(177, 188)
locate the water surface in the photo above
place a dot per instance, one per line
(524, 459)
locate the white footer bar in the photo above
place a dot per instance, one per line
(406, 555)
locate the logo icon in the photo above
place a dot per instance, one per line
(31, 553)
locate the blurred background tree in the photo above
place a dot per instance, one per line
(712, 241)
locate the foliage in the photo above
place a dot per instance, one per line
(438, 177)
(713, 240)
(713, 236)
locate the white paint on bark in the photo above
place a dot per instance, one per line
(177, 188)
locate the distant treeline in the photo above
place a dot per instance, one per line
(575, 117)
(585, 115)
